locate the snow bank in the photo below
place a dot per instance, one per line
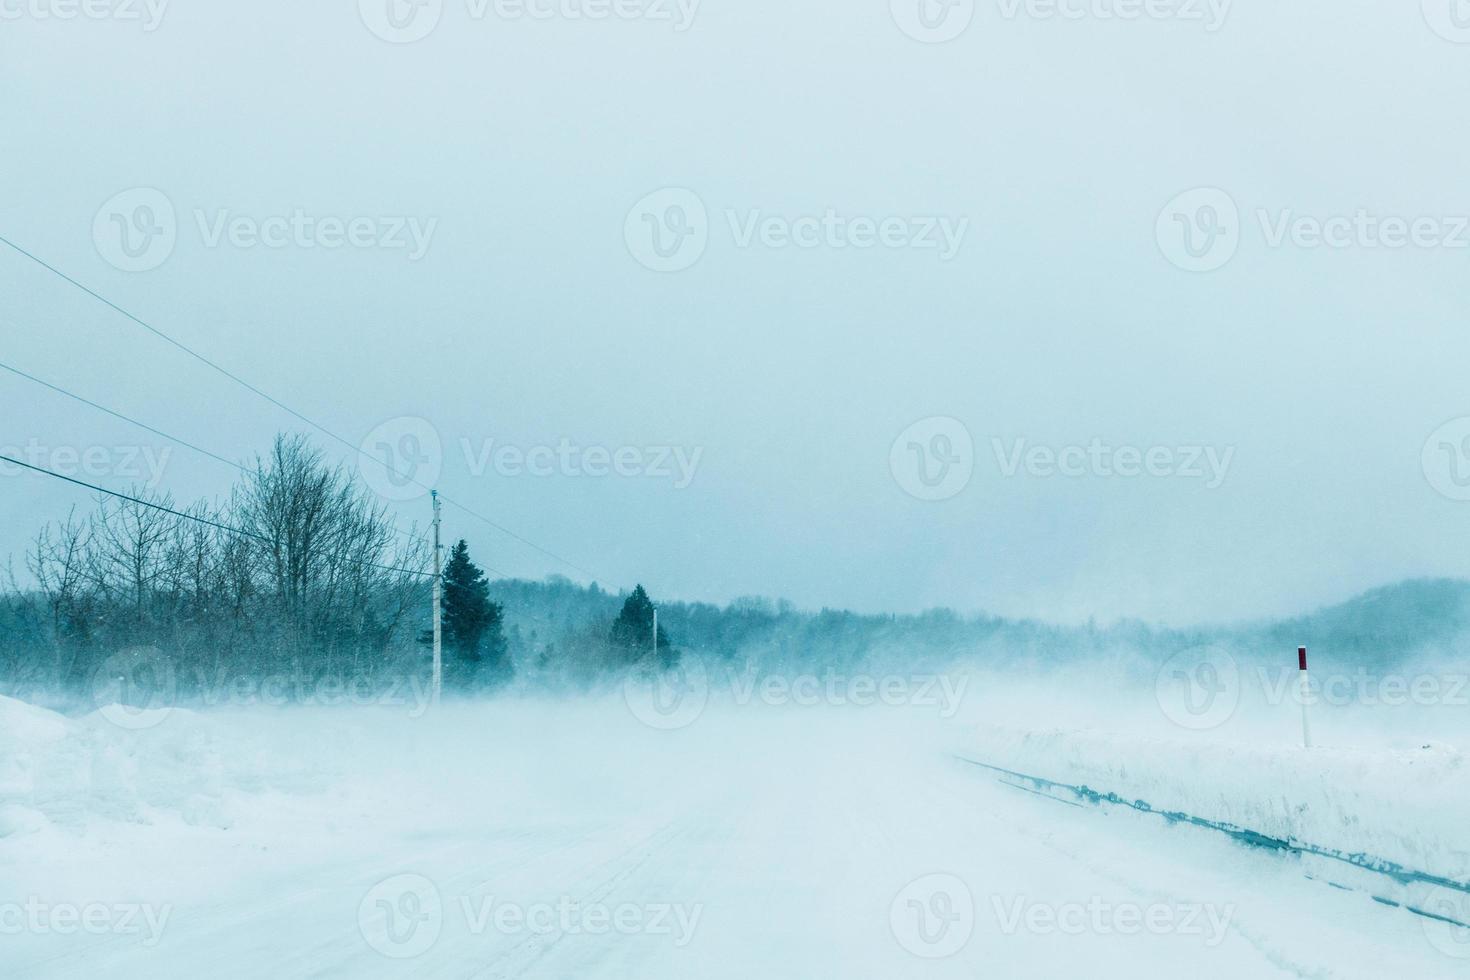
(56, 770)
(1407, 807)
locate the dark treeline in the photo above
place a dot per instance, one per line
(301, 572)
(299, 568)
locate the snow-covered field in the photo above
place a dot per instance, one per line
(569, 839)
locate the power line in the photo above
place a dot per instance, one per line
(286, 408)
(195, 517)
(118, 415)
(158, 432)
(145, 503)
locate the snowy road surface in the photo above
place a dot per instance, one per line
(806, 844)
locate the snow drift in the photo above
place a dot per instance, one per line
(1402, 806)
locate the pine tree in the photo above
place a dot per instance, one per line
(474, 632)
(633, 629)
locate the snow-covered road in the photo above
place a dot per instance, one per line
(801, 844)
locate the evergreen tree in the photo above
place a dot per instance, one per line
(633, 629)
(474, 632)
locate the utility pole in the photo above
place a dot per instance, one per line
(655, 635)
(438, 604)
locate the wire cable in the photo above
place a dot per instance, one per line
(158, 432)
(194, 517)
(284, 407)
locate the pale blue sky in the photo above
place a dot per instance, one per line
(790, 370)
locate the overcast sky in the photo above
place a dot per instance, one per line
(846, 304)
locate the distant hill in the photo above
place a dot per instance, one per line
(1382, 627)
(1387, 623)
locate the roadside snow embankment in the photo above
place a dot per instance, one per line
(1407, 807)
(68, 771)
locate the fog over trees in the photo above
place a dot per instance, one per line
(300, 572)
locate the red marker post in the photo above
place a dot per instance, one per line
(1304, 692)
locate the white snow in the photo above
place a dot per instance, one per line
(1404, 806)
(567, 839)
